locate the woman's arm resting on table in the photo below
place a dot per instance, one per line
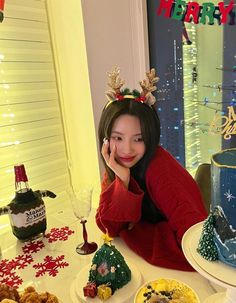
(119, 206)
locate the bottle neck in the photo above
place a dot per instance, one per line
(25, 196)
(21, 180)
(22, 187)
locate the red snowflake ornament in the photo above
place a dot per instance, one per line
(50, 266)
(33, 247)
(60, 234)
(8, 275)
(12, 280)
(21, 261)
(5, 267)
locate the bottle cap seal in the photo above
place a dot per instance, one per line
(20, 174)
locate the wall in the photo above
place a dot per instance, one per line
(115, 34)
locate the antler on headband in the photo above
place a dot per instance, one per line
(147, 85)
(115, 83)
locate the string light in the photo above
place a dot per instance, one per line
(192, 133)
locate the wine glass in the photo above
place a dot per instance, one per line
(81, 201)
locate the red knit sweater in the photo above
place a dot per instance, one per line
(176, 195)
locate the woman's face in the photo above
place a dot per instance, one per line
(126, 136)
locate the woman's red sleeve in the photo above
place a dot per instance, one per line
(118, 206)
(178, 197)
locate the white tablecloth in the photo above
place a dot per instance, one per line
(61, 283)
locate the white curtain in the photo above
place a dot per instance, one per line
(31, 130)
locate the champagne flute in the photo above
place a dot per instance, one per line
(81, 201)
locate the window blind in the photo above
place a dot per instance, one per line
(31, 130)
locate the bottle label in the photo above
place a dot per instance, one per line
(29, 217)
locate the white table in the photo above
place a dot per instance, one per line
(60, 285)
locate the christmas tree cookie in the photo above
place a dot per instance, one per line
(108, 272)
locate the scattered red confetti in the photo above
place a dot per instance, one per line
(33, 247)
(60, 234)
(50, 266)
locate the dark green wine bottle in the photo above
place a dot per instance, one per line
(27, 210)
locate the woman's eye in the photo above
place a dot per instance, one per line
(116, 138)
(138, 140)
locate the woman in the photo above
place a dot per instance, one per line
(147, 198)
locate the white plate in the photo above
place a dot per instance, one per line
(167, 280)
(124, 294)
(216, 269)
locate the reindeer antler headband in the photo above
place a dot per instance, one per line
(145, 96)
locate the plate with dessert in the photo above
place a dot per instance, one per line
(9, 294)
(109, 277)
(166, 291)
(216, 269)
(125, 294)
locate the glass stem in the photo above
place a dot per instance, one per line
(85, 234)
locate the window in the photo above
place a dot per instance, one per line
(31, 130)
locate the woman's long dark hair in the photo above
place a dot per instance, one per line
(150, 129)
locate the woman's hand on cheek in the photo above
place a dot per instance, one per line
(109, 156)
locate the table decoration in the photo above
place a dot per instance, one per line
(50, 265)
(8, 269)
(33, 247)
(11, 269)
(124, 294)
(59, 234)
(27, 210)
